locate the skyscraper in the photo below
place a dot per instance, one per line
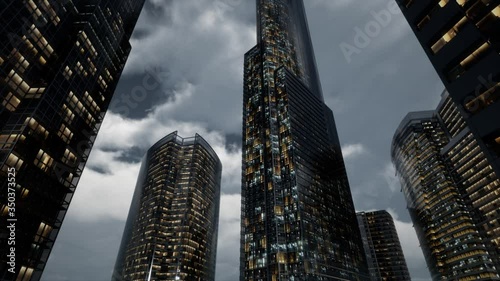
(298, 218)
(462, 41)
(60, 62)
(473, 175)
(383, 250)
(171, 229)
(453, 244)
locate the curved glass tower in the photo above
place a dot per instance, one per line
(298, 218)
(452, 244)
(171, 230)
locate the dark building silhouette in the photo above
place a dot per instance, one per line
(436, 160)
(298, 218)
(60, 62)
(171, 229)
(384, 254)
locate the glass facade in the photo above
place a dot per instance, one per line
(60, 62)
(452, 242)
(462, 42)
(384, 255)
(171, 230)
(298, 218)
(473, 175)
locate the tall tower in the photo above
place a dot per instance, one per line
(171, 230)
(453, 245)
(384, 253)
(473, 175)
(60, 62)
(298, 218)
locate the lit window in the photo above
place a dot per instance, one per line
(484, 100)
(35, 93)
(13, 161)
(68, 157)
(448, 36)
(495, 11)
(25, 274)
(42, 60)
(68, 114)
(8, 140)
(35, 126)
(65, 134)
(472, 58)
(43, 232)
(24, 193)
(67, 73)
(41, 41)
(22, 64)
(43, 160)
(17, 83)
(468, 62)
(11, 102)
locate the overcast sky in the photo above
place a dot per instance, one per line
(185, 73)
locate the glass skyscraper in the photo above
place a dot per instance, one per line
(384, 254)
(473, 175)
(60, 62)
(298, 218)
(171, 229)
(462, 40)
(440, 167)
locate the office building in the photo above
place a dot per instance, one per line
(298, 217)
(453, 244)
(473, 175)
(60, 62)
(462, 42)
(384, 254)
(171, 229)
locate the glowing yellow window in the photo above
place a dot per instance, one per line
(495, 11)
(43, 232)
(65, 134)
(13, 161)
(43, 160)
(35, 126)
(11, 102)
(68, 157)
(25, 274)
